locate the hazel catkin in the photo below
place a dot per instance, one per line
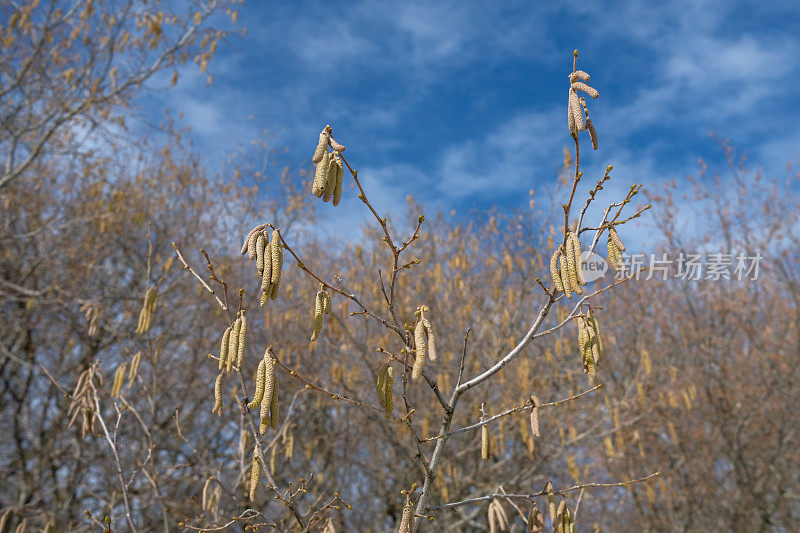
(258, 395)
(255, 474)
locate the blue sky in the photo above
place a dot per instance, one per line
(463, 104)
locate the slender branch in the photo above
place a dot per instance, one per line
(199, 278)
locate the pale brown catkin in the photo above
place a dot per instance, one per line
(535, 520)
(431, 338)
(319, 306)
(577, 252)
(407, 520)
(327, 304)
(614, 255)
(420, 350)
(380, 384)
(269, 389)
(612, 232)
(535, 430)
(563, 271)
(320, 176)
(223, 349)
(551, 502)
(559, 523)
(322, 145)
(592, 133)
(572, 268)
(218, 395)
(580, 86)
(388, 404)
(579, 75)
(574, 114)
(485, 451)
(273, 406)
(266, 276)
(598, 338)
(258, 395)
(233, 345)
(255, 474)
(330, 178)
(554, 273)
(277, 262)
(260, 245)
(336, 147)
(337, 188)
(240, 347)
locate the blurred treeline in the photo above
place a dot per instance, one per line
(700, 380)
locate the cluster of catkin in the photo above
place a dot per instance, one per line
(119, 376)
(231, 349)
(576, 107)
(383, 387)
(329, 174)
(561, 518)
(535, 520)
(83, 401)
(615, 249)
(497, 517)
(590, 343)
(566, 267)
(266, 394)
(424, 342)
(148, 308)
(268, 255)
(322, 306)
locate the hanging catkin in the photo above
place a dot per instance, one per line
(233, 345)
(407, 520)
(320, 175)
(322, 145)
(218, 395)
(119, 379)
(614, 255)
(572, 267)
(535, 520)
(277, 262)
(535, 431)
(134, 369)
(579, 75)
(554, 272)
(260, 245)
(266, 276)
(273, 405)
(240, 347)
(148, 307)
(485, 451)
(577, 253)
(612, 232)
(558, 525)
(551, 503)
(337, 188)
(255, 474)
(223, 349)
(319, 308)
(420, 351)
(388, 403)
(592, 320)
(258, 395)
(566, 284)
(269, 389)
(431, 337)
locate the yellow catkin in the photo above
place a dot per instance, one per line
(240, 347)
(563, 271)
(380, 384)
(322, 146)
(614, 255)
(554, 273)
(327, 303)
(266, 276)
(218, 395)
(337, 187)
(580, 86)
(420, 351)
(255, 474)
(577, 252)
(485, 451)
(320, 176)
(319, 307)
(119, 379)
(223, 349)
(558, 525)
(258, 395)
(134, 369)
(148, 307)
(388, 404)
(277, 262)
(273, 406)
(598, 349)
(233, 345)
(330, 179)
(249, 246)
(612, 232)
(535, 520)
